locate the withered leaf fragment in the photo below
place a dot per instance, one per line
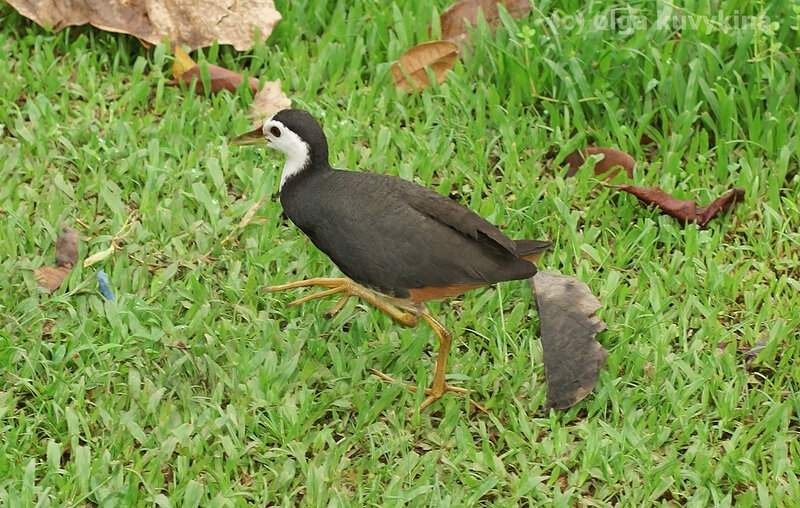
(67, 247)
(51, 277)
(685, 210)
(612, 158)
(440, 56)
(568, 324)
(268, 101)
(456, 18)
(184, 70)
(751, 353)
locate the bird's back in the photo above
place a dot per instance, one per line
(393, 235)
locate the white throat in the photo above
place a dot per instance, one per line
(296, 159)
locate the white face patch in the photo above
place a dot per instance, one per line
(279, 137)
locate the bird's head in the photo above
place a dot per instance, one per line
(295, 133)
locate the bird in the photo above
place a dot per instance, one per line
(399, 244)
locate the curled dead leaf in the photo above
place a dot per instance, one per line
(184, 23)
(456, 18)
(721, 204)
(220, 79)
(98, 256)
(568, 326)
(685, 210)
(612, 158)
(409, 70)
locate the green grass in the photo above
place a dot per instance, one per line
(198, 389)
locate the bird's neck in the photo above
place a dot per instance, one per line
(303, 160)
(303, 164)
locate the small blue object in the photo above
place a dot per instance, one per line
(105, 288)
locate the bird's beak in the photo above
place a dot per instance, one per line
(254, 137)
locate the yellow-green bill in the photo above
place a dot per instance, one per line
(254, 137)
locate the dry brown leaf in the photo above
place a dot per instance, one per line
(438, 55)
(268, 101)
(185, 22)
(456, 18)
(685, 210)
(219, 78)
(721, 204)
(51, 277)
(184, 70)
(612, 158)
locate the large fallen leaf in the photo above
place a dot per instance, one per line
(185, 22)
(51, 277)
(458, 17)
(612, 158)
(409, 70)
(685, 210)
(268, 101)
(568, 324)
(184, 70)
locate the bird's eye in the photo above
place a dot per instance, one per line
(275, 132)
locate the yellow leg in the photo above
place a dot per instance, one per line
(347, 288)
(439, 387)
(405, 313)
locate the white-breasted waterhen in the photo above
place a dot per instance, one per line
(400, 244)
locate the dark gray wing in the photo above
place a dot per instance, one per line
(457, 216)
(393, 235)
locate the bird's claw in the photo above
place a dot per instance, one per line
(432, 396)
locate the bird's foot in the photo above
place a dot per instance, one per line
(334, 285)
(346, 288)
(432, 394)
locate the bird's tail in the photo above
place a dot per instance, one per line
(530, 250)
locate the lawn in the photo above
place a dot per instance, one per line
(198, 388)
